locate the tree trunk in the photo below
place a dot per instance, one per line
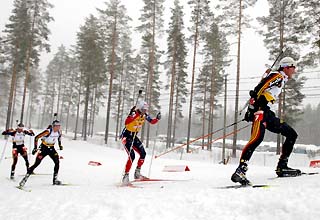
(12, 88)
(69, 103)
(94, 110)
(91, 113)
(59, 91)
(212, 94)
(236, 109)
(113, 57)
(193, 73)
(86, 106)
(176, 113)
(173, 79)
(14, 103)
(28, 63)
(119, 100)
(204, 111)
(78, 111)
(151, 69)
(123, 101)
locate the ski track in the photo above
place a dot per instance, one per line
(95, 194)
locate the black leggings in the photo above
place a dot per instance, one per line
(273, 124)
(44, 151)
(19, 149)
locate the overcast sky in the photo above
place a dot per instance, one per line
(70, 14)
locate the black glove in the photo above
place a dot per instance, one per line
(253, 94)
(158, 116)
(61, 147)
(31, 132)
(132, 110)
(34, 151)
(249, 116)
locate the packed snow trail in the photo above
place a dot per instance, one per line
(93, 193)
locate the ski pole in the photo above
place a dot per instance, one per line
(264, 75)
(4, 150)
(229, 134)
(178, 147)
(153, 149)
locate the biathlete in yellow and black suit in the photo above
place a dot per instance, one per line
(262, 118)
(48, 139)
(133, 124)
(18, 146)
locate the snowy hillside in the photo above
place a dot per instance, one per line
(94, 194)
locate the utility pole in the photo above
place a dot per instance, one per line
(224, 120)
(234, 145)
(281, 97)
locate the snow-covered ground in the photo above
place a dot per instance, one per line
(94, 193)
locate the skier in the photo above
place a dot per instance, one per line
(133, 124)
(48, 139)
(18, 146)
(262, 118)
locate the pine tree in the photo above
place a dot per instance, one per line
(151, 27)
(115, 19)
(235, 20)
(19, 24)
(90, 52)
(37, 39)
(127, 75)
(287, 27)
(311, 14)
(210, 80)
(176, 66)
(4, 78)
(201, 15)
(35, 87)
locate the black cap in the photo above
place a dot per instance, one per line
(55, 123)
(21, 125)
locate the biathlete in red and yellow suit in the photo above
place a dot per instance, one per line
(133, 124)
(264, 94)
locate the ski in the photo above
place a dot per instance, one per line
(154, 180)
(64, 184)
(310, 173)
(302, 174)
(37, 174)
(129, 185)
(23, 189)
(244, 186)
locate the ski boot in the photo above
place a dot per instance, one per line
(24, 180)
(125, 179)
(12, 175)
(55, 180)
(137, 174)
(239, 176)
(284, 171)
